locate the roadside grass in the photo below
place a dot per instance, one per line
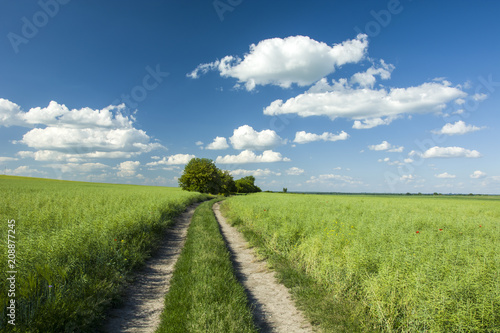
(204, 294)
(381, 263)
(76, 245)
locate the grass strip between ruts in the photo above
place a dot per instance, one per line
(205, 295)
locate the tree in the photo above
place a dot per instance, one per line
(201, 175)
(246, 185)
(227, 185)
(285, 190)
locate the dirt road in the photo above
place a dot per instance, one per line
(274, 308)
(144, 301)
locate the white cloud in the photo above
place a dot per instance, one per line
(7, 159)
(77, 156)
(407, 178)
(373, 122)
(331, 177)
(389, 162)
(448, 152)
(79, 168)
(480, 97)
(218, 144)
(199, 143)
(255, 173)
(386, 146)
(460, 127)
(367, 78)
(445, 175)
(245, 137)
(303, 137)
(478, 174)
(128, 168)
(88, 140)
(294, 171)
(77, 134)
(173, 160)
(248, 156)
(283, 62)
(59, 115)
(24, 171)
(10, 114)
(408, 160)
(368, 107)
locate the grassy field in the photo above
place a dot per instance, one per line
(382, 263)
(204, 295)
(76, 244)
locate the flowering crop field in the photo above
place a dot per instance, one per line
(387, 263)
(75, 245)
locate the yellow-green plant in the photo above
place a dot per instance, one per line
(76, 243)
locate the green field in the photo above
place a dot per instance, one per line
(382, 263)
(76, 243)
(353, 263)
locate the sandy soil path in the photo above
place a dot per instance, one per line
(274, 308)
(143, 303)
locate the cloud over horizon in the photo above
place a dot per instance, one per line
(58, 133)
(447, 152)
(248, 156)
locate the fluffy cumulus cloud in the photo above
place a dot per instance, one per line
(328, 178)
(86, 140)
(80, 167)
(177, 159)
(478, 174)
(407, 178)
(458, 128)
(304, 137)
(294, 171)
(58, 133)
(219, 143)
(368, 79)
(445, 175)
(10, 114)
(245, 137)
(24, 171)
(389, 162)
(255, 173)
(248, 156)
(386, 146)
(128, 168)
(7, 159)
(447, 152)
(367, 106)
(285, 61)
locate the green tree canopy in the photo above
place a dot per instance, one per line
(227, 185)
(247, 185)
(201, 175)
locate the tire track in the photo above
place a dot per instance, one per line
(144, 299)
(274, 309)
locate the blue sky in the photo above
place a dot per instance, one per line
(348, 96)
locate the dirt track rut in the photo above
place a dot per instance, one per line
(144, 300)
(274, 309)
